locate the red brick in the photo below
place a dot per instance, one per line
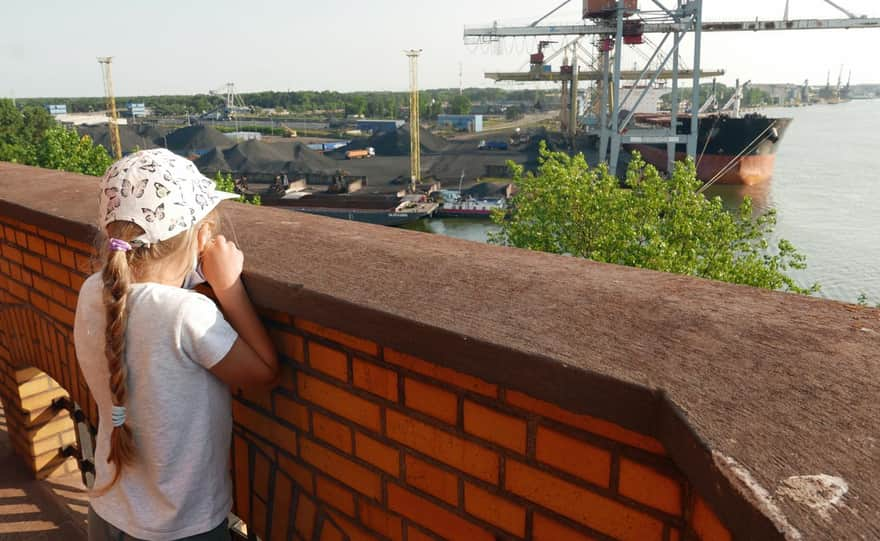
(415, 534)
(303, 477)
(588, 508)
(43, 286)
(495, 510)
(360, 344)
(289, 345)
(432, 480)
(61, 313)
(674, 535)
(340, 402)
(67, 258)
(79, 245)
(21, 237)
(342, 469)
(32, 262)
(242, 482)
(264, 426)
(52, 252)
(375, 379)
(573, 456)
(84, 264)
(292, 412)
(257, 395)
(57, 273)
(281, 508)
(706, 524)
(76, 281)
(330, 532)
(329, 361)
(585, 422)
(261, 476)
(376, 453)
(11, 253)
(258, 518)
(306, 512)
(458, 453)
(51, 235)
(448, 375)
(650, 487)
(431, 400)
(379, 520)
(434, 517)
(335, 433)
(335, 494)
(39, 302)
(546, 529)
(36, 244)
(494, 426)
(354, 531)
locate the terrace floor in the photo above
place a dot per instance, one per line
(38, 510)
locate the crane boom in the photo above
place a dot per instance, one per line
(496, 31)
(115, 142)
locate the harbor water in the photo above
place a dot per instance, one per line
(825, 189)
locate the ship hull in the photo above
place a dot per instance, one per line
(729, 150)
(369, 216)
(748, 170)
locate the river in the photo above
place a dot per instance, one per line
(826, 192)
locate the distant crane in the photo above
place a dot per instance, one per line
(115, 142)
(415, 149)
(232, 103)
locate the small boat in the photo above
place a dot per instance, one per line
(404, 213)
(381, 209)
(456, 205)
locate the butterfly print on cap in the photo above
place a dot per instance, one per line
(154, 215)
(137, 188)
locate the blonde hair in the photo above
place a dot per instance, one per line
(119, 270)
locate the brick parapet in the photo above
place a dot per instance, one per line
(388, 427)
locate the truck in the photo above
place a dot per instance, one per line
(492, 145)
(369, 152)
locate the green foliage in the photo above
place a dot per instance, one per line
(226, 184)
(652, 222)
(514, 112)
(21, 130)
(64, 149)
(460, 105)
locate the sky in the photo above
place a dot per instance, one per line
(49, 48)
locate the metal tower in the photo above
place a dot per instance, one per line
(115, 142)
(415, 162)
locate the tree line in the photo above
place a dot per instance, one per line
(327, 103)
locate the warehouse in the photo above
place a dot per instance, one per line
(379, 126)
(471, 123)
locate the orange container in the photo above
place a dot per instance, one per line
(596, 9)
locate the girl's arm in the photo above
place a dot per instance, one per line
(252, 358)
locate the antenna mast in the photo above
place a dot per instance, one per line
(115, 143)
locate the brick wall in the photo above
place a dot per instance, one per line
(367, 442)
(360, 441)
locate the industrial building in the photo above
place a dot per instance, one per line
(136, 110)
(471, 123)
(379, 126)
(57, 109)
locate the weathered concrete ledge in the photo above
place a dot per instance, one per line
(745, 388)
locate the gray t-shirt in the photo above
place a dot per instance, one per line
(179, 412)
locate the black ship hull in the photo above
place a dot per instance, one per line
(729, 150)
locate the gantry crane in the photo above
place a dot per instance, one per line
(115, 143)
(415, 149)
(673, 19)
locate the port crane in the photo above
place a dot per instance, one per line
(113, 124)
(233, 103)
(613, 20)
(415, 147)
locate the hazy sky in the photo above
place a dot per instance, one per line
(48, 48)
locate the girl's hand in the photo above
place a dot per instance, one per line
(222, 263)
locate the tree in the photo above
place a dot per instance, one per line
(652, 223)
(460, 105)
(63, 149)
(514, 112)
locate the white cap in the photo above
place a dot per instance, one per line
(158, 190)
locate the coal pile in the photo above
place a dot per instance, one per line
(131, 137)
(396, 143)
(260, 160)
(193, 138)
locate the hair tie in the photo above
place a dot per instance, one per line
(117, 416)
(117, 245)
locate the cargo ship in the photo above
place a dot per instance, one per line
(731, 149)
(390, 210)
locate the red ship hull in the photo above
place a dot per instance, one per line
(748, 170)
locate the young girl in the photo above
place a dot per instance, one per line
(159, 358)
